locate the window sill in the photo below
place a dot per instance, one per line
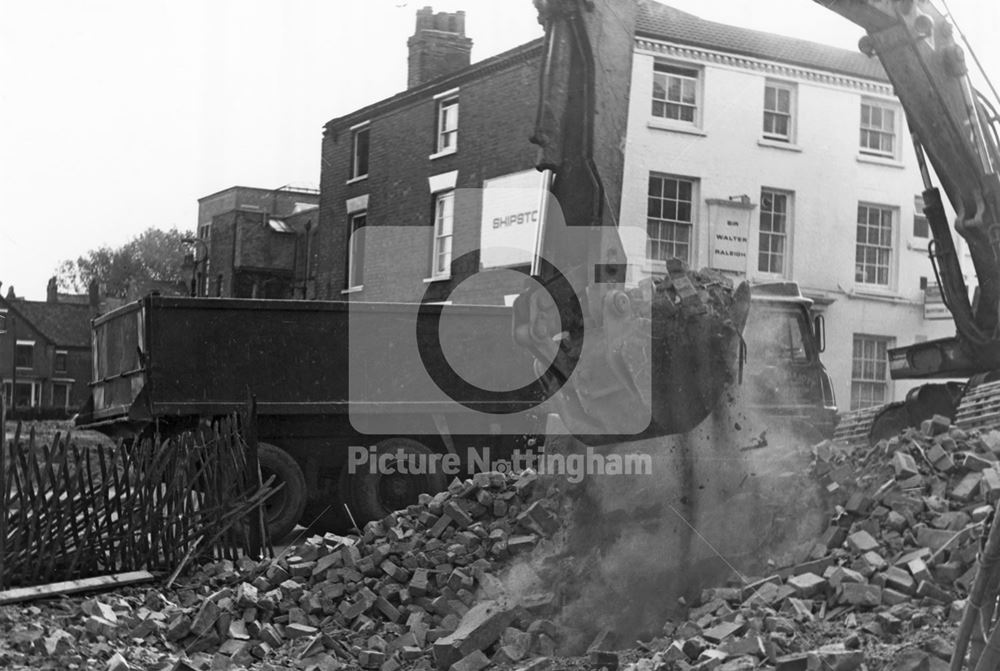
(444, 152)
(353, 290)
(355, 180)
(880, 160)
(437, 278)
(676, 127)
(877, 293)
(778, 144)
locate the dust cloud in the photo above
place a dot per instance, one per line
(721, 502)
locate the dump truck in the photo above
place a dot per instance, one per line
(785, 382)
(166, 364)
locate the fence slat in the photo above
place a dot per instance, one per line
(77, 513)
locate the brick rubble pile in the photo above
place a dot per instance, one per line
(884, 585)
(423, 588)
(416, 589)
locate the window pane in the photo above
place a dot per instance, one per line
(669, 233)
(674, 89)
(683, 190)
(360, 153)
(873, 252)
(659, 87)
(688, 92)
(784, 100)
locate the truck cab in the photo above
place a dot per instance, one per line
(784, 380)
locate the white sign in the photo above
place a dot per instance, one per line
(934, 307)
(510, 219)
(730, 238)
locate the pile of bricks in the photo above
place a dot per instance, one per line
(416, 589)
(892, 568)
(880, 588)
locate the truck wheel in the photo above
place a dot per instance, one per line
(283, 510)
(372, 495)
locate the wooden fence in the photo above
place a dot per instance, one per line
(74, 513)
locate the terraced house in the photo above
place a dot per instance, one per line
(45, 355)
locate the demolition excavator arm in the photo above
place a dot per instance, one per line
(954, 129)
(621, 363)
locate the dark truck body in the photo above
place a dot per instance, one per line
(170, 362)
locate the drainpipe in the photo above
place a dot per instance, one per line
(305, 280)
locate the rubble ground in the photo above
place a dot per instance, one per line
(430, 587)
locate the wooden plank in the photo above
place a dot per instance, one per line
(20, 594)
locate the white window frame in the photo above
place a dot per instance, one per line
(444, 228)
(657, 207)
(446, 124)
(870, 370)
(356, 132)
(25, 343)
(880, 129)
(55, 358)
(689, 79)
(69, 388)
(769, 234)
(918, 215)
(356, 240)
(866, 251)
(777, 112)
(36, 391)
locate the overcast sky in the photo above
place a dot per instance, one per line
(117, 115)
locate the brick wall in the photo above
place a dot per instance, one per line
(219, 211)
(496, 118)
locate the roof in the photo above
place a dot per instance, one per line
(661, 22)
(287, 188)
(66, 324)
(666, 23)
(506, 59)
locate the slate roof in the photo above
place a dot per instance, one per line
(663, 22)
(64, 324)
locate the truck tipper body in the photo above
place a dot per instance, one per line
(167, 363)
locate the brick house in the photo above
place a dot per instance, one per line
(48, 343)
(403, 162)
(257, 242)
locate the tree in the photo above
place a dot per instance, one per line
(153, 255)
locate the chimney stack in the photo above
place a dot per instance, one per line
(438, 46)
(52, 291)
(94, 296)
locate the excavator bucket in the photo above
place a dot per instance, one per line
(655, 361)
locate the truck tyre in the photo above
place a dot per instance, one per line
(283, 510)
(372, 495)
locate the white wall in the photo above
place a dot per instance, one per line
(824, 170)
